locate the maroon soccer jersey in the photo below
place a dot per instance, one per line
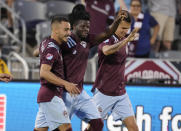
(50, 54)
(100, 11)
(75, 55)
(110, 75)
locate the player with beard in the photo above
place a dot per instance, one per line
(52, 112)
(75, 55)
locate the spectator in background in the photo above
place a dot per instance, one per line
(4, 67)
(142, 45)
(125, 4)
(164, 12)
(101, 15)
(5, 75)
(10, 19)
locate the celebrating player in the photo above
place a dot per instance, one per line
(52, 112)
(75, 55)
(109, 88)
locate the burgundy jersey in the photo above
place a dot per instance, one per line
(110, 75)
(50, 54)
(100, 11)
(75, 55)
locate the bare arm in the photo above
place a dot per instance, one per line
(52, 78)
(109, 31)
(5, 77)
(122, 4)
(155, 33)
(110, 49)
(36, 52)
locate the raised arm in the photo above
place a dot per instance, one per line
(110, 49)
(109, 31)
(123, 5)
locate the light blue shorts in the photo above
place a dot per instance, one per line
(52, 114)
(119, 106)
(82, 106)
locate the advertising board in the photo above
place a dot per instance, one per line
(156, 108)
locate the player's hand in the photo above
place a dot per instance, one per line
(152, 41)
(122, 14)
(72, 88)
(5, 77)
(133, 35)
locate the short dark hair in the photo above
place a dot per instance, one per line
(78, 13)
(58, 18)
(128, 16)
(136, 0)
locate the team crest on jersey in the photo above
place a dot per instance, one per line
(65, 113)
(100, 109)
(74, 52)
(84, 44)
(49, 56)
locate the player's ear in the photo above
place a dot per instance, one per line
(73, 26)
(54, 28)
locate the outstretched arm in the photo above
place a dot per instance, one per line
(110, 49)
(109, 31)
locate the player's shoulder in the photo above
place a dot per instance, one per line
(71, 42)
(48, 45)
(112, 39)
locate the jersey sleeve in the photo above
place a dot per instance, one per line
(106, 42)
(49, 56)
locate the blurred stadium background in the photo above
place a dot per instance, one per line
(153, 84)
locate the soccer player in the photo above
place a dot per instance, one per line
(109, 88)
(52, 112)
(75, 55)
(5, 77)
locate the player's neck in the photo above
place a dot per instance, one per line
(56, 39)
(78, 38)
(119, 35)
